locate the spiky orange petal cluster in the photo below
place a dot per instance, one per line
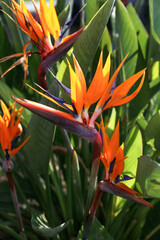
(10, 128)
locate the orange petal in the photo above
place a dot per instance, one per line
(105, 95)
(99, 82)
(14, 151)
(77, 85)
(119, 164)
(49, 19)
(119, 93)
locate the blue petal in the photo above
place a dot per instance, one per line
(67, 90)
(70, 22)
(61, 101)
(112, 165)
(106, 102)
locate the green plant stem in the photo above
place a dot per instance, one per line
(97, 146)
(92, 212)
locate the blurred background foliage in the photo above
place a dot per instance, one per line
(51, 182)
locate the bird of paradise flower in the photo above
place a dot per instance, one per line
(40, 30)
(113, 159)
(101, 90)
(10, 131)
(78, 121)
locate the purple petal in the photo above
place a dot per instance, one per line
(59, 100)
(67, 90)
(70, 22)
(114, 189)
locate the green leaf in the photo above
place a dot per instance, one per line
(106, 44)
(86, 45)
(97, 231)
(91, 9)
(38, 148)
(132, 150)
(40, 225)
(140, 30)
(5, 92)
(62, 17)
(127, 39)
(14, 30)
(112, 123)
(14, 234)
(155, 16)
(148, 177)
(154, 12)
(152, 131)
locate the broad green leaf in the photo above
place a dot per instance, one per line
(127, 39)
(152, 131)
(106, 44)
(140, 30)
(97, 231)
(91, 9)
(41, 227)
(154, 45)
(132, 150)
(38, 148)
(148, 177)
(86, 45)
(155, 16)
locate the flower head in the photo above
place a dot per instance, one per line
(40, 30)
(114, 161)
(101, 90)
(10, 129)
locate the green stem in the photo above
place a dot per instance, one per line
(92, 212)
(97, 146)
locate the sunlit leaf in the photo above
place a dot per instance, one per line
(42, 228)
(140, 30)
(132, 150)
(148, 177)
(127, 39)
(152, 131)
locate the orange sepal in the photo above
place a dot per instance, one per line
(99, 82)
(118, 97)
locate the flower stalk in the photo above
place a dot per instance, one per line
(8, 169)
